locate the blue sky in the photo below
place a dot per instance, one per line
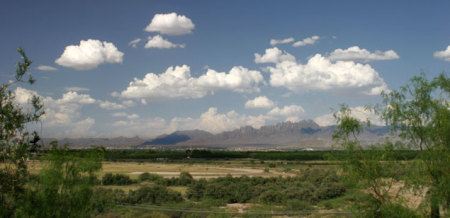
(215, 65)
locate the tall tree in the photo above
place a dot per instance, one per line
(420, 114)
(14, 138)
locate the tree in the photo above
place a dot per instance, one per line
(372, 167)
(14, 138)
(420, 113)
(65, 185)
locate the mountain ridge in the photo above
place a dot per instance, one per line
(296, 135)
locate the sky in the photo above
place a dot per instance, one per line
(143, 68)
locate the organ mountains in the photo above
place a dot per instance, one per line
(305, 134)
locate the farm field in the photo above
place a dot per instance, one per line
(229, 186)
(218, 169)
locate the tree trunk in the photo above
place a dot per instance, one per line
(434, 205)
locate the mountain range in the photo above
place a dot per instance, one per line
(305, 134)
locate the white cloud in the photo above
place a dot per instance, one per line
(161, 43)
(273, 55)
(128, 116)
(89, 54)
(110, 105)
(260, 102)
(64, 117)
(170, 24)
(320, 73)
(443, 55)
(215, 122)
(281, 41)
(119, 114)
(62, 111)
(287, 111)
(81, 129)
(129, 103)
(133, 43)
(46, 68)
(23, 96)
(359, 113)
(307, 41)
(148, 127)
(355, 53)
(76, 89)
(177, 83)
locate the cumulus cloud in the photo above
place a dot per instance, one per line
(89, 54)
(287, 111)
(320, 73)
(144, 127)
(76, 89)
(170, 24)
(81, 129)
(128, 116)
(215, 122)
(359, 113)
(355, 53)
(46, 68)
(133, 43)
(110, 105)
(273, 55)
(161, 43)
(62, 111)
(307, 41)
(177, 83)
(260, 102)
(443, 55)
(129, 103)
(281, 41)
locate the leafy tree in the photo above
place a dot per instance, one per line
(420, 113)
(15, 139)
(65, 185)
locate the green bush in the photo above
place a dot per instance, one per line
(149, 177)
(116, 179)
(64, 187)
(185, 179)
(272, 197)
(295, 204)
(330, 190)
(154, 195)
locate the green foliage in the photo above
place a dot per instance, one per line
(419, 113)
(310, 187)
(154, 195)
(185, 179)
(14, 139)
(64, 187)
(295, 204)
(150, 177)
(116, 179)
(369, 168)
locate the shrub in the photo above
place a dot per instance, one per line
(272, 196)
(116, 179)
(295, 204)
(330, 190)
(185, 178)
(150, 178)
(154, 195)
